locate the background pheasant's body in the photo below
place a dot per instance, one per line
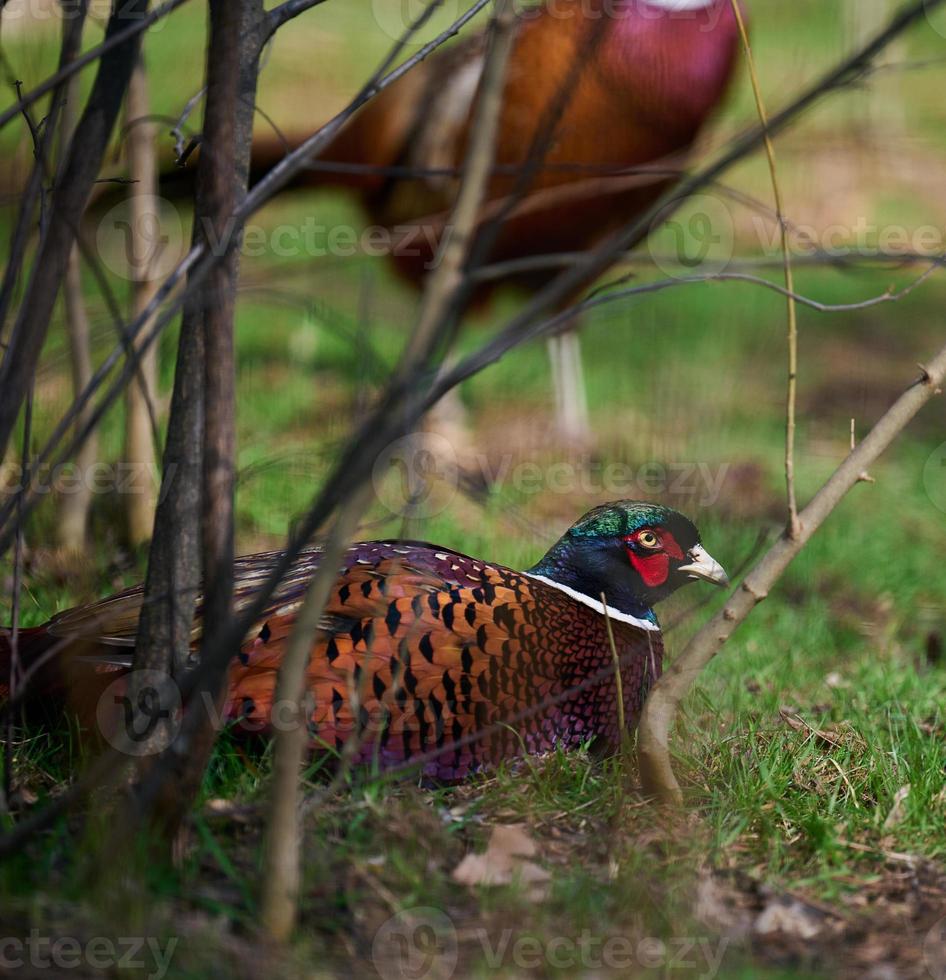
(425, 655)
(625, 84)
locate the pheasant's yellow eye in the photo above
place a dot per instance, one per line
(648, 539)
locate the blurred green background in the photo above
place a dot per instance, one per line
(686, 378)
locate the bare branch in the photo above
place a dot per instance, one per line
(112, 40)
(847, 259)
(284, 13)
(281, 874)
(439, 308)
(177, 130)
(73, 524)
(196, 510)
(140, 412)
(13, 677)
(86, 152)
(660, 711)
(71, 45)
(509, 339)
(790, 400)
(197, 264)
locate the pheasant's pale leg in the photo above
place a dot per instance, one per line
(450, 420)
(568, 380)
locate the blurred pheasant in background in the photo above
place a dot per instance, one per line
(427, 657)
(602, 101)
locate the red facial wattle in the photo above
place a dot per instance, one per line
(653, 569)
(653, 566)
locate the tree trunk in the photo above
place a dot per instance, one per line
(76, 503)
(69, 200)
(195, 514)
(141, 395)
(877, 106)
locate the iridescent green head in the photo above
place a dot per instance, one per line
(635, 552)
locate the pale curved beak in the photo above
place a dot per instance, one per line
(705, 567)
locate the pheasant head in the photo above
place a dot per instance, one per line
(636, 553)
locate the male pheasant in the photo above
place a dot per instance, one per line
(603, 98)
(428, 658)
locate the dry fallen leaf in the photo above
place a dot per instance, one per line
(22, 797)
(505, 860)
(717, 906)
(898, 811)
(790, 918)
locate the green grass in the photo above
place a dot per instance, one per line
(799, 736)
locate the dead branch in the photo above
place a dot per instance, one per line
(439, 309)
(791, 395)
(34, 190)
(113, 39)
(141, 393)
(69, 199)
(74, 508)
(284, 13)
(281, 875)
(196, 510)
(380, 427)
(13, 677)
(75, 505)
(197, 264)
(661, 708)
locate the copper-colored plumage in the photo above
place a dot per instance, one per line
(603, 99)
(423, 650)
(425, 657)
(624, 85)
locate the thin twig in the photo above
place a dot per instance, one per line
(380, 428)
(13, 677)
(285, 12)
(845, 259)
(439, 308)
(791, 396)
(93, 54)
(616, 659)
(198, 263)
(661, 709)
(281, 875)
(510, 338)
(178, 127)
